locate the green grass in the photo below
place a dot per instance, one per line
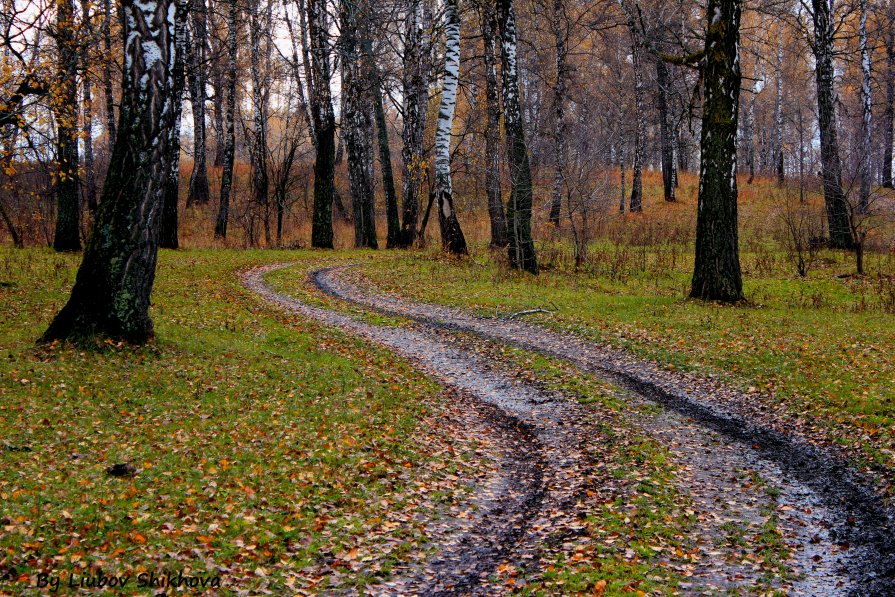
(821, 347)
(266, 445)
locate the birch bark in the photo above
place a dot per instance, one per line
(110, 298)
(452, 239)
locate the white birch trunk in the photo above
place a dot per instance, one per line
(451, 235)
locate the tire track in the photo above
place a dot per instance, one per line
(842, 533)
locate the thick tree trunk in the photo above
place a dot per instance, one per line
(866, 116)
(168, 228)
(260, 94)
(357, 125)
(834, 197)
(324, 124)
(636, 202)
(198, 193)
(559, 112)
(64, 100)
(717, 273)
(393, 237)
(663, 83)
(521, 248)
(416, 101)
(229, 153)
(87, 100)
(452, 239)
(496, 212)
(111, 294)
(107, 72)
(889, 113)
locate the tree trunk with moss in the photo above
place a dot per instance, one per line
(717, 273)
(110, 298)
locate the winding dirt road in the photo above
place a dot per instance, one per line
(840, 534)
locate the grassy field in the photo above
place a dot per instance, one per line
(267, 447)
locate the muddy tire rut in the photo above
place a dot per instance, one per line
(839, 532)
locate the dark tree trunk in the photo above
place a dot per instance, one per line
(393, 237)
(889, 111)
(324, 124)
(663, 82)
(65, 108)
(107, 72)
(260, 90)
(559, 112)
(496, 212)
(717, 273)
(834, 197)
(416, 101)
(357, 124)
(521, 247)
(168, 229)
(300, 67)
(198, 193)
(636, 202)
(452, 239)
(220, 228)
(87, 100)
(217, 85)
(111, 294)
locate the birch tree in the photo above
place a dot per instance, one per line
(831, 164)
(229, 150)
(778, 112)
(496, 213)
(866, 114)
(521, 247)
(168, 228)
(663, 85)
(559, 109)
(636, 202)
(110, 297)
(415, 92)
(324, 125)
(452, 239)
(717, 275)
(259, 67)
(198, 193)
(107, 72)
(889, 110)
(87, 106)
(64, 101)
(357, 124)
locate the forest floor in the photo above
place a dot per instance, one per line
(289, 442)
